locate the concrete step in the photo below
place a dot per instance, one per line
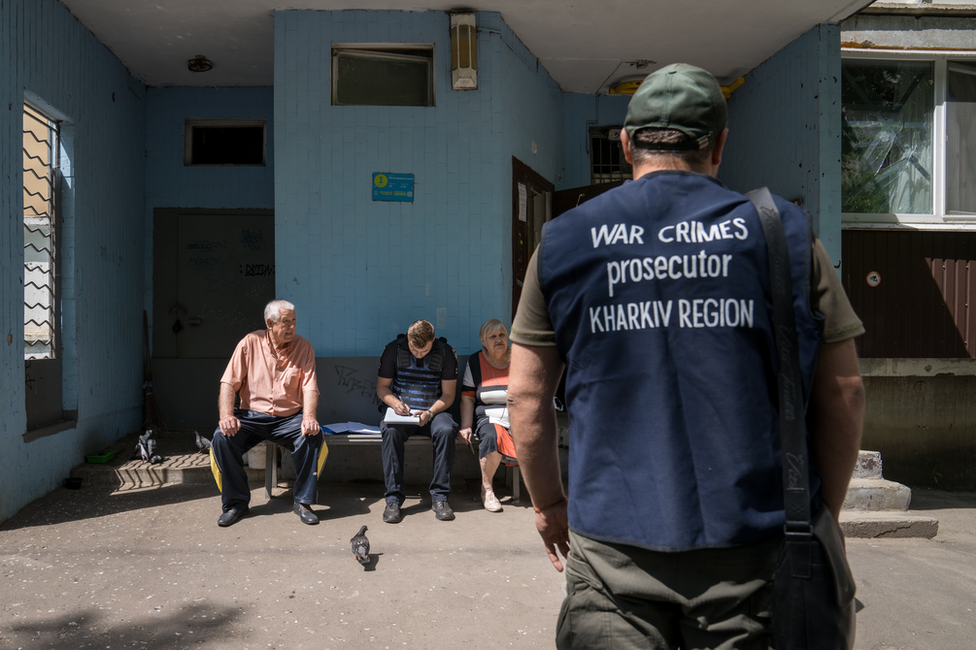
(184, 468)
(875, 507)
(868, 465)
(349, 460)
(877, 494)
(868, 525)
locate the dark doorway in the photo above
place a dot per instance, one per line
(213, 272)
(531, 208)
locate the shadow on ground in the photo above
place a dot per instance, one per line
(928, 499)
(190, 625)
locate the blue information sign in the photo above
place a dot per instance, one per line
(392, 187)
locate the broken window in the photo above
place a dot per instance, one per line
(887, 157)
(909, 139)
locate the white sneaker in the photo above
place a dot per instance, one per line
(491, 502)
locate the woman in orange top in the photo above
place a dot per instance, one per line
(484, 414)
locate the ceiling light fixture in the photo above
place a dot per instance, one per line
(199, 63)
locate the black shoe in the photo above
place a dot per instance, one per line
(442, 511)
(391, 514)
(231, 516)
(305, 513)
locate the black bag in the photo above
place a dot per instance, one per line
(813, 588)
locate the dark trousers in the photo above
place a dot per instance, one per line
(255, 428)
(442, 431)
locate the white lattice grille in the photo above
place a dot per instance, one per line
(40, 164)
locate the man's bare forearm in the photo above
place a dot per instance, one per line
(534, 377)
(837, 403)
(225, 401)
(310, 405)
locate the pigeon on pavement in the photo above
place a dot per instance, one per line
(203, 444)
(360, 546)
(146, 449)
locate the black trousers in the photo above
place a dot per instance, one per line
(442, 431)
(255, 428)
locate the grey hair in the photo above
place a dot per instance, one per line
(491, 326)
(272, 311)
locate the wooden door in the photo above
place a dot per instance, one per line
(531, 208)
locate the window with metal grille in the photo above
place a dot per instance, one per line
(607, 162)
(40, 235)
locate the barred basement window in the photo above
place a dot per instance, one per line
(607, 162)
(40, 235)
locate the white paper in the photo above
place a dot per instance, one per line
(392, 418)
(523, 199)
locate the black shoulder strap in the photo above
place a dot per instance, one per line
(436, 360)
(796, 480)
(403, 357)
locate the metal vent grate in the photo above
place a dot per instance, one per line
(40, 163)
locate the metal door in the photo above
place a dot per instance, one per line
(225, 277)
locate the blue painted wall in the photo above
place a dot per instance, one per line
(47, 53)
(171, 184)
(580, 112)
(784, 130)
(361, 270)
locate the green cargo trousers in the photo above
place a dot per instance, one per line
(622, 597)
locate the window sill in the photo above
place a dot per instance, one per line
(70, 422)
(881, 367)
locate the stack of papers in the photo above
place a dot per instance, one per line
(349, 427)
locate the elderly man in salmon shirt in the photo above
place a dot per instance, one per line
(273, 371)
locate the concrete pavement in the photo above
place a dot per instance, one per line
(920, 594)
(150, 568)
(107, 567)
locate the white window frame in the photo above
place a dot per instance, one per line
(937, 219)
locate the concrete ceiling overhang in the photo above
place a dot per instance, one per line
(586, 46)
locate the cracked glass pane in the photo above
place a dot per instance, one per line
(887, 112)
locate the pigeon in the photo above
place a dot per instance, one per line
(202, 444)
(360, 546)
(146, 448)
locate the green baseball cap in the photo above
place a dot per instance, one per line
(680, 97)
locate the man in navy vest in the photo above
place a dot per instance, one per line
(655, 297)
(417, 382)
